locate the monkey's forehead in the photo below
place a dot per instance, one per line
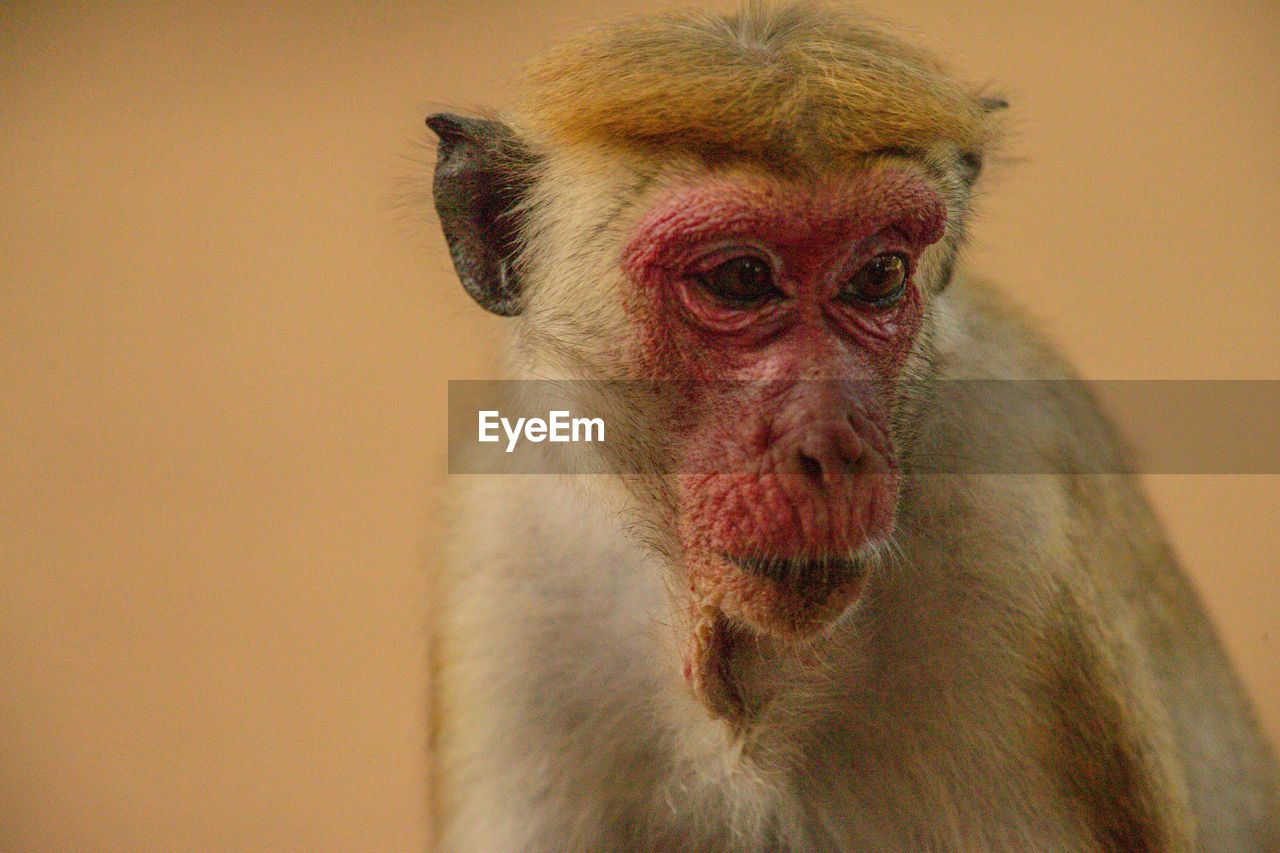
(789, 212)
(791, 83)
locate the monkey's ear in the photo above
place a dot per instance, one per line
(970, 166)
(478, 186)
(971, 161)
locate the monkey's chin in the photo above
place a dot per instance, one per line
(787, 599)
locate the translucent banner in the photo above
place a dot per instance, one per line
(944, 427)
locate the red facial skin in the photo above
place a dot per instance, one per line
(785, 405)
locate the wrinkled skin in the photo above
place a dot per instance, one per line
(787, 471)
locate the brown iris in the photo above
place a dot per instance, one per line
(741, 282)
(880, 282)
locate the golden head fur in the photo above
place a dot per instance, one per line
(795, 84)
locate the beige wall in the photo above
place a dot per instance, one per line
(223, 355)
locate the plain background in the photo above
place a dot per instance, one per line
(224, 348)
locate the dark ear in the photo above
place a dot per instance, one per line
(481, 177)
(971, 161)
(970, 166)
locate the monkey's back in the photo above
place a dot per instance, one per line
(1151, 619)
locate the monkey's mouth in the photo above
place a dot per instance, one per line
(801, 575)
(790, 596)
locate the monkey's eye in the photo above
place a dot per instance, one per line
(880, 282)
(742, 282)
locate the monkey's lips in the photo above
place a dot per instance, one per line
(800, 573)
(779, 552)
(783, 596)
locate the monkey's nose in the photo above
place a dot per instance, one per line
(828, 451)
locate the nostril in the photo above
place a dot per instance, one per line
(809, 466)
(828, 453)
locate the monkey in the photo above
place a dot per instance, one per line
(791, 616)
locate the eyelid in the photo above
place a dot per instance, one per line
(887, 241)
(708, 258)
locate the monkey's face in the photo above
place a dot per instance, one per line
(782, 312)
(786, 311)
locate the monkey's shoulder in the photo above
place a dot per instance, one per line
(1002, 391)
(984, 333)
